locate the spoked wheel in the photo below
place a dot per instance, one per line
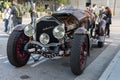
(83, 55)
(15, 49)
(79, 54)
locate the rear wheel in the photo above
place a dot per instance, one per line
(100, 44)
(15, 49)
(79, 53)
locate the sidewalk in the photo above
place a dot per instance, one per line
(112, 72)
(2, 33)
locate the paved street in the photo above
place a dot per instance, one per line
(59, 68)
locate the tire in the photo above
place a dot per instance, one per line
(15, 49)
(79, 52)
(100, 44)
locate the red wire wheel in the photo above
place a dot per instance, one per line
(21, 54)
(83, 55)
(15, 49)
(79, 52)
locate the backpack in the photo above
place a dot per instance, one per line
(18, 11)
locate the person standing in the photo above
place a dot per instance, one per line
(101, 11)
(93, 10)
(108, 16)
(33, 13)
(6, 17)
(88, 7)
(17, 13)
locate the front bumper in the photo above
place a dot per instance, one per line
(43, 48)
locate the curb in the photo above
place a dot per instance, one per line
(110, 72)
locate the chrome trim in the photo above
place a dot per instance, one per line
(41, 45)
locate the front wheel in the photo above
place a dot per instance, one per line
(15, 49)
(79, 52)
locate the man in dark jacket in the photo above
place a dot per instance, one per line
(16, 12)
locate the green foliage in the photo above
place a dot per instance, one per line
(1, 5)
(7, 3)
(27, 8)
(62, 1)
(40, 8)
(20, 5)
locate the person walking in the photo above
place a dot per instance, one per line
(108, 16)
(6, 17)
(17, 13)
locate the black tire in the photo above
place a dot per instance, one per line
(15, 49)
(100, 44)
(79, 52)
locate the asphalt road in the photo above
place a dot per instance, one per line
(44, 69)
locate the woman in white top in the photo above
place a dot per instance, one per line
(6, 17)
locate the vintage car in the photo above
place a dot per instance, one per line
(63, 33)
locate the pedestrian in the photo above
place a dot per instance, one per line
(93, 10)
(6, 17)
(108, 16)
(33, 13)
(101, 11)
(48, 10)
(16, 11)
(88, 6)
